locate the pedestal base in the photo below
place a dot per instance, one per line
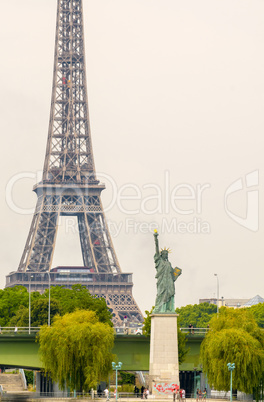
(163, 360)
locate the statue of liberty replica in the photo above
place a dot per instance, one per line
(166, 276)
(163, 359)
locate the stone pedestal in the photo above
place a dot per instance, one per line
(163, 360)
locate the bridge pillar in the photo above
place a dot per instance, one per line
(163, 359)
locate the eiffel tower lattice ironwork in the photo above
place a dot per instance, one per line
(69, 185)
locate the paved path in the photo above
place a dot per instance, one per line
(33, 397)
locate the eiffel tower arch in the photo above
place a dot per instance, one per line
(70, 186)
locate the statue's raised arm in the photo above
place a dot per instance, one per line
(156, 241)
(166, 276)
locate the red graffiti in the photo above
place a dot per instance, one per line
(166, 388)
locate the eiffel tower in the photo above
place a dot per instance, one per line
(70, 187)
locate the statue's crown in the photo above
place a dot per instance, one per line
(166, 249)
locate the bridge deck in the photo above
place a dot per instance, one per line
(20, 349)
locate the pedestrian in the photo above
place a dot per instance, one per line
(197, 394)
(106, 392)
(174, 392)
(147, 393)
(99, 391)
(183, 394)
(180, 394)
(204, 394)
(142, 392)
(136, 391)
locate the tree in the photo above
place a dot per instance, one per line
(10, 301)
(234, 337)
(182, 351)
(147, 322)
(21, 318)
(29, 376)
(199, 315)
(258, 312)
(79, 297)
(39, 313)
(127, 378)
(14, 305)
(76, 350)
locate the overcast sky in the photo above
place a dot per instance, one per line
(176, 99)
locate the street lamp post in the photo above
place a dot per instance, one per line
(116, 367)
(231, 367)
(217, 296)
(49, 301)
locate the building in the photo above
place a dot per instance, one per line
(235, 303)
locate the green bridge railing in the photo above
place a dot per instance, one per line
(35, 330)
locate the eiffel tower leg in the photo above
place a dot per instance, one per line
(98, 254)
(85, 239)
(97, 248)
(26, 253)
(39, 249)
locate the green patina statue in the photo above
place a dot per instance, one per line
(166, 276)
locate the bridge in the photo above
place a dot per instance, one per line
(19, 348)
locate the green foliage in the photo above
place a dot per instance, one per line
(258, 392)
(29, 376)
(147, 322)
(14, 305)
(199, 315)
(182, 351)
(76, 350)
(126, 388)
(40, 311)
(10, 301)
(79, 297)
(234, 337)
(258, 312)
(127, 378)
(21, 318)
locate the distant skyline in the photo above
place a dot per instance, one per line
(176, 98)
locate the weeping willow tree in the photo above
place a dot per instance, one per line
(76, 350)
(234, 337)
